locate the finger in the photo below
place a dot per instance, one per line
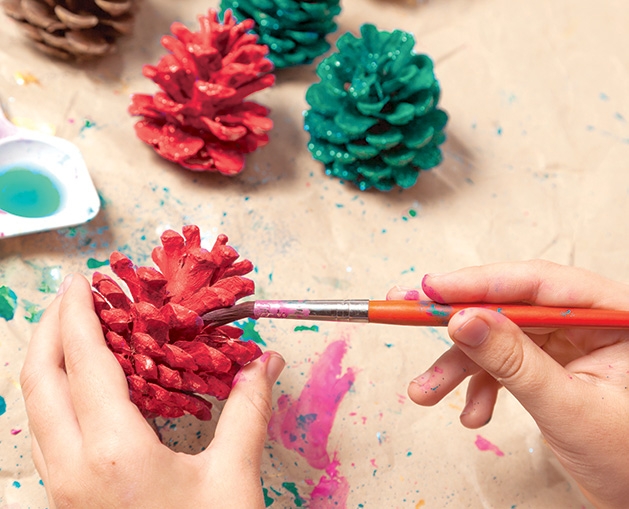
(405, 293)
(38, 459)
(442, 377)
(482, 393)
(242, 427)
(40, 465)
(45, 389)
(539, 282)
(499, 347)
(99, 390)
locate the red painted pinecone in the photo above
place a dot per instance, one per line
(200, 119)
(169, 356)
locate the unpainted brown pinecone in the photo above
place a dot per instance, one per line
(73, 29)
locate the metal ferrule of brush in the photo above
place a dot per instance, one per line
(325, 310)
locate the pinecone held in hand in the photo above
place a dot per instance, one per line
(170, 357)
(73, 29)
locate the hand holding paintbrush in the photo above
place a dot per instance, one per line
(573, 381)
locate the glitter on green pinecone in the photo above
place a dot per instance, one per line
(294, 30)
(374, 119)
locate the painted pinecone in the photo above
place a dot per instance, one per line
(294, 30)
(73, 29)
(200, 119)
(374, 119)
(170, 357)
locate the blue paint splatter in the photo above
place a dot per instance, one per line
(3, 405)
(16, 484)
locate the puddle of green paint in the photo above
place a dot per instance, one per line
(27, 192)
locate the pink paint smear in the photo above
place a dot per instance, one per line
(485, 445)
(304, 425)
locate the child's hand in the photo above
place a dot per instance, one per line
(575, 383)
(93, 448)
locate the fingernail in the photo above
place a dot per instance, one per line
(473, 332)
(65, 284)
(274, 366)
(411, 295)
(429, 290)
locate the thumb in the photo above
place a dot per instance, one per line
(500, 347)
(242, 427)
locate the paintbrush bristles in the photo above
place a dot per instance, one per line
(234, 313)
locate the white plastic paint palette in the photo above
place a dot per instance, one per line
(44, 183)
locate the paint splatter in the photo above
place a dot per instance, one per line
(420, 503)
(17, 484)
(50, 279)
(87, 124)
(8, 303)
(291, 488)
(16, 431)
(485, 445)
(249, 332)
(314, 328)
(3, 405)
(25, 78)
(33, 312)
(304, 425)
(331, 491)
(93, 263)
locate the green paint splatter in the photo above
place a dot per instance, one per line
(314, 328)
(268, 501)
(93, 263)
(50, 279)
(33, 311)
(8, 303)
(87, 124)
(290, 486)
(412, 212)
(249, 332)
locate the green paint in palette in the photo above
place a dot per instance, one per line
(28, 192)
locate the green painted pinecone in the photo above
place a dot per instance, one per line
(374, 119)
(294, 30)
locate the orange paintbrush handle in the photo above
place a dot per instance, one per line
(409, 312)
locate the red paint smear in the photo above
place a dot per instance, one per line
(304, 425)
(485, 445)
(332, 490)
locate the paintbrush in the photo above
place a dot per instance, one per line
(415, 312)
